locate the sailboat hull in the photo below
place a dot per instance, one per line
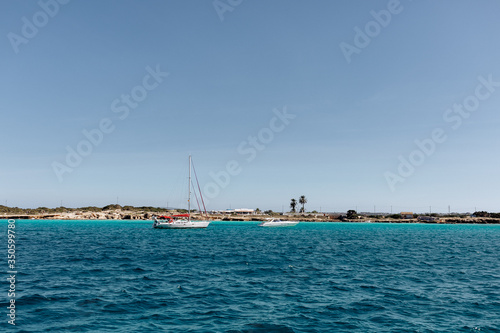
(181, 225)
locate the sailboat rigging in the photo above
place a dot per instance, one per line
(182, 221)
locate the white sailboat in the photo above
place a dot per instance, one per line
(182, 221)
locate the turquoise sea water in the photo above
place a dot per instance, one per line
(124, 276)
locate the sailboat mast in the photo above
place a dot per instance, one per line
(189, 190)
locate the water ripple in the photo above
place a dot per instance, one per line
(316, 277)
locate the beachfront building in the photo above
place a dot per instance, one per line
(406, 215)
(238, 211)
(244, 211)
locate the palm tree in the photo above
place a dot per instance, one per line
(293, 203)
(302, 201)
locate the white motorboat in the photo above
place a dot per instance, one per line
(182, 221)
(272, 222)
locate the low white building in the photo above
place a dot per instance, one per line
(239, 211)
(242, 211)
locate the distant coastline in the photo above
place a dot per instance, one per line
(147, 214)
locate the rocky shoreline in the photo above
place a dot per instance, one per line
(147, 215)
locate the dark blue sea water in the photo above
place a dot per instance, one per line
(118, 276)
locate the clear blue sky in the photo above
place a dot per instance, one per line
(66, 69)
